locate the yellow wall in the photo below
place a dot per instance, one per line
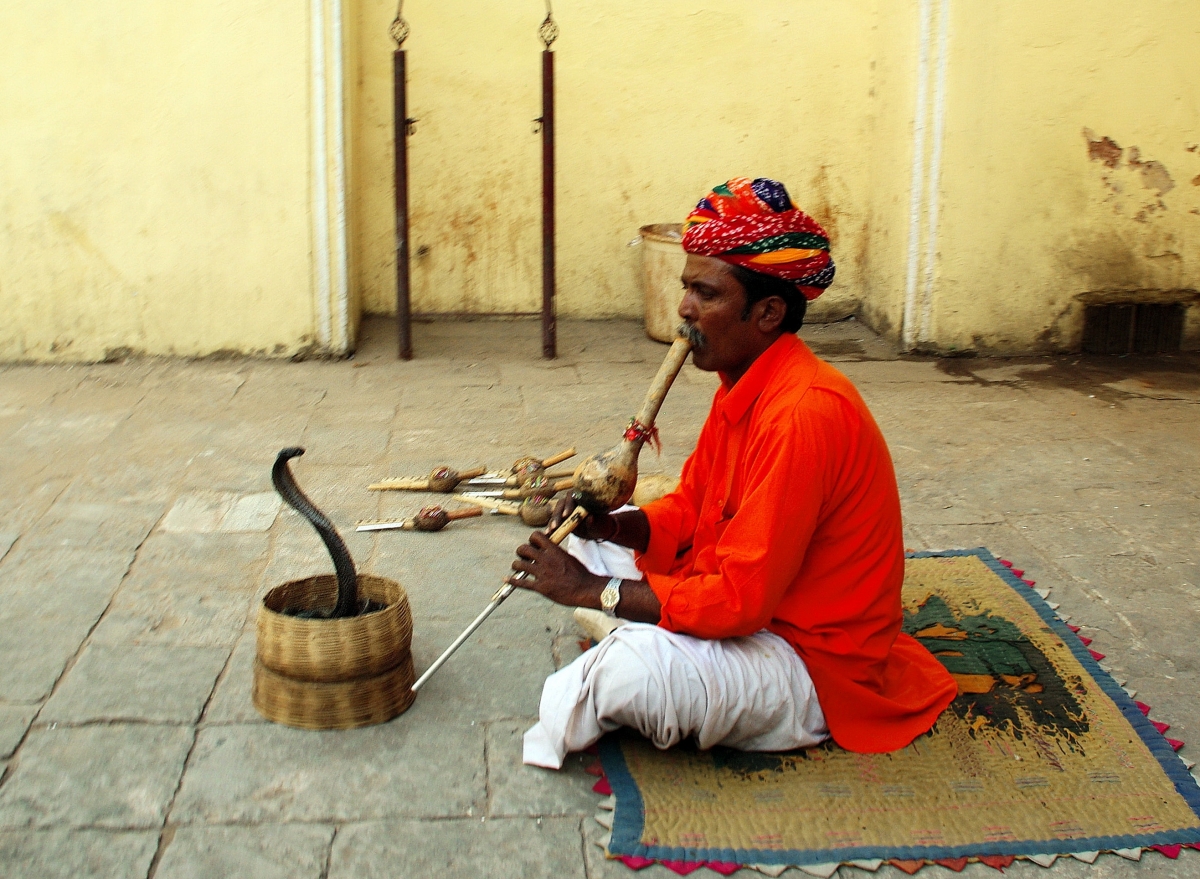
(891, 149)
(656, 103)
(1034, 213)
(174, 179)
(151, 200)
(1032, 217)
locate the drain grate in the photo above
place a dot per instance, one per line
(1132, 328)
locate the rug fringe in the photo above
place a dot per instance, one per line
(997, 862)
(824, 871)
(871, 864)
(768, 869)
(955, 864)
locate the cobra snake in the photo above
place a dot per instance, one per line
(347, 578)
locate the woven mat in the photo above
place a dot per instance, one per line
(1041, 754)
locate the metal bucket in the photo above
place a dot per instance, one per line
(662, 264)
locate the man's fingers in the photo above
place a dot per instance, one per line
(562, 508)
(540, 540)
(526, 551)
(523, 566)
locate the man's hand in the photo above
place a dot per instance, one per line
(597, 526)
(629, 529)
(552, 572)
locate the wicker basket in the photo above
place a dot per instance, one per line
(334, 704)
(338, 649)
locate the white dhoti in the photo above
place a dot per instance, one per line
(751, 693)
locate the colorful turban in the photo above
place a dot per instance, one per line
(754, 224)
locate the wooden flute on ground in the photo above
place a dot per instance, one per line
(602, 483)
(446, 479)
(428, 519)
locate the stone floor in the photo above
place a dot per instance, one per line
(138, 530)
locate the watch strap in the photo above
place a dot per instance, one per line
(610, 596)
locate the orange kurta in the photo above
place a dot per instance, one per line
(787, 518)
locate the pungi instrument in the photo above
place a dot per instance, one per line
(427, 519)
(444, 479)
(533, 511)
(537, 487)
(488, 481)
(559, 535)
(602, 483)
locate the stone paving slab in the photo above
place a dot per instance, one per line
(67, 432)
(251, 513)
(123, 481)
(14, 721)
(188, 590)
(50, 601)
(209, 512)
(209, 471)
(61, 584)
(120, 776)
(73, 854)
(267, 851)
(162, 438)
(230, 702)
(21, 387)
(516, 790)
(164, 559)
(28, 492)
(900, 372)
(348, 443)
(365, 407)
(256, 431)
(33, 658)
(503, 848)
(495, 681)
(270, 773)
(197, 513)
(7, 539)
(153, 684)
(100, 526)
(186, 617)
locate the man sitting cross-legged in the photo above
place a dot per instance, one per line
(767, 611)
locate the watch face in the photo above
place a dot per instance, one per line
(609, 597)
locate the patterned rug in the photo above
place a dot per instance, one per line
(1042, 754)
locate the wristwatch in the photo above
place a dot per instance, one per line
(611, 596)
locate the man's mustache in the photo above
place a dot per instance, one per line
(692, 335)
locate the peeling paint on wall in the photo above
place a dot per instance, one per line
(1154, 174)
(1120, 177)
(1103, 149)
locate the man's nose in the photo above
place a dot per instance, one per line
(687, 305)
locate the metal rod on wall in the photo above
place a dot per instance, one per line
(548, 32)
(402, 125)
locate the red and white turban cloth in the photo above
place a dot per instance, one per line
(754, 224)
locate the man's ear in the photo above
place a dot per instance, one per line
(771, 312)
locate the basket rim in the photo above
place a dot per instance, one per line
(331, 579)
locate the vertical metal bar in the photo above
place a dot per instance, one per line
(400, 112)
(549, 327)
